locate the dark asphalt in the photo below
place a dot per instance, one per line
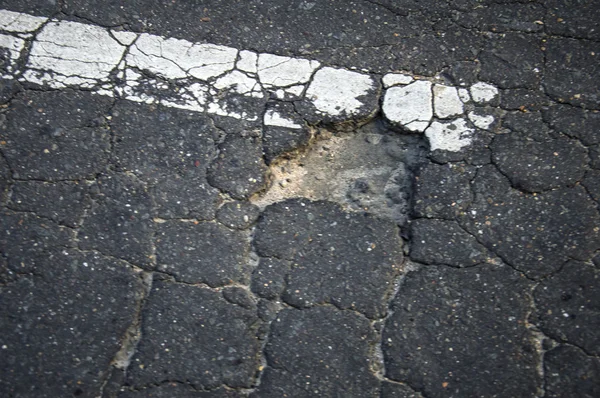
(135, 262)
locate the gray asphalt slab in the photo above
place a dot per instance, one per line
(299, 198)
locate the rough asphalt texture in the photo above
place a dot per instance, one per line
(135, 263)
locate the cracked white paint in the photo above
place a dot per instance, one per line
(446, 101)
(123, 37)
(248, 62)
(337, 91)
(240, 83)
(449, 136)
(277, 71)
(80, 54)
(19, 23)
(178, 59)
(483, 92)
(409, 106)
(273, 118)
(203, 77)
(394, 79)
(14, 45)
(464, 95)
(481, 121)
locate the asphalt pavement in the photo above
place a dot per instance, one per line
(299, 198)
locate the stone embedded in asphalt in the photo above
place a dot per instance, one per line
(536, 234)
(63, 202)
(239, 168)
(569, 372)
(337, 95)
(449, 136)
(462, 332)
(62, 326)
(446, 101)
(483, 93)
(238, 214)
(524, 100)
(346, 259)
(409, 106)
(566, 306)
(56, 135)
(321, 352)
(268, 278)
(204, 252)
(446, 243)
(442, 191)
(192, 333)
(536, 166)
(119, 222)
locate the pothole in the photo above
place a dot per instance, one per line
(367, 169)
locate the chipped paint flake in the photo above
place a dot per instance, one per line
(449, 136)
(483, 92)
(19, 23)
(481, 121)
(240, 83)
(123, 37)
(337, 91)
(277, 71)
(394, 79)
(446, 101)
(409, 106)
(273, 118)
(248, 62)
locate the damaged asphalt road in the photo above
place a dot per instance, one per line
(299, 199)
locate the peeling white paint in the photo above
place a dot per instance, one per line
(80, 54)
(240, 83)
(337, 91)
(449, 136)
(464, 95)
(394, 79)
(481, 121)
(178, 59)
(409, 106)
(248, 62)
(277, 71)
(19, 23)
(200, 76)
(123, 37)
(446, 101)
(483, 92)
(273, 118)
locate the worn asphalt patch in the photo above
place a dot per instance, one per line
(299, 198)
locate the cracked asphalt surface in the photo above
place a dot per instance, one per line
(299, 199)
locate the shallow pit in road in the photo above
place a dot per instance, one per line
(367, 169)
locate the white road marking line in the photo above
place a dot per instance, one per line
(204, 77)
